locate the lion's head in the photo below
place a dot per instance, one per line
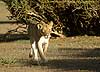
(44, 28)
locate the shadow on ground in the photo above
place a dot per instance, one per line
(13, 37)
(87, 59)
(75, 64)
(7, 37)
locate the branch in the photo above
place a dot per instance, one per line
(35, 14)
(57, 34)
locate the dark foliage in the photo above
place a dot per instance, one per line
(70, 17)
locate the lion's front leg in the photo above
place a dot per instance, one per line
(34, 51)
(40, 49)
(45, 47)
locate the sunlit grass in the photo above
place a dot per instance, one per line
(23, 41)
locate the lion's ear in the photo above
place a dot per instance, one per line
(51, 23)
(39, 26)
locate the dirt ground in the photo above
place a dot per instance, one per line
(64, 55)
(71, 54)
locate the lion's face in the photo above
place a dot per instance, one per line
(45, 28)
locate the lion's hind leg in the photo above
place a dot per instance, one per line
(31, 53)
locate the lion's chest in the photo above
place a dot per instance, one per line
(44, 39)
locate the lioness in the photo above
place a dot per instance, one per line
(39, 37)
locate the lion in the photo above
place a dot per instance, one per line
(39, 38)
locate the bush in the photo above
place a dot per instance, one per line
(70, 17)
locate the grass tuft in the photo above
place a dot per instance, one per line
(7, 61)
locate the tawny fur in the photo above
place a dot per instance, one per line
(39, 39)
